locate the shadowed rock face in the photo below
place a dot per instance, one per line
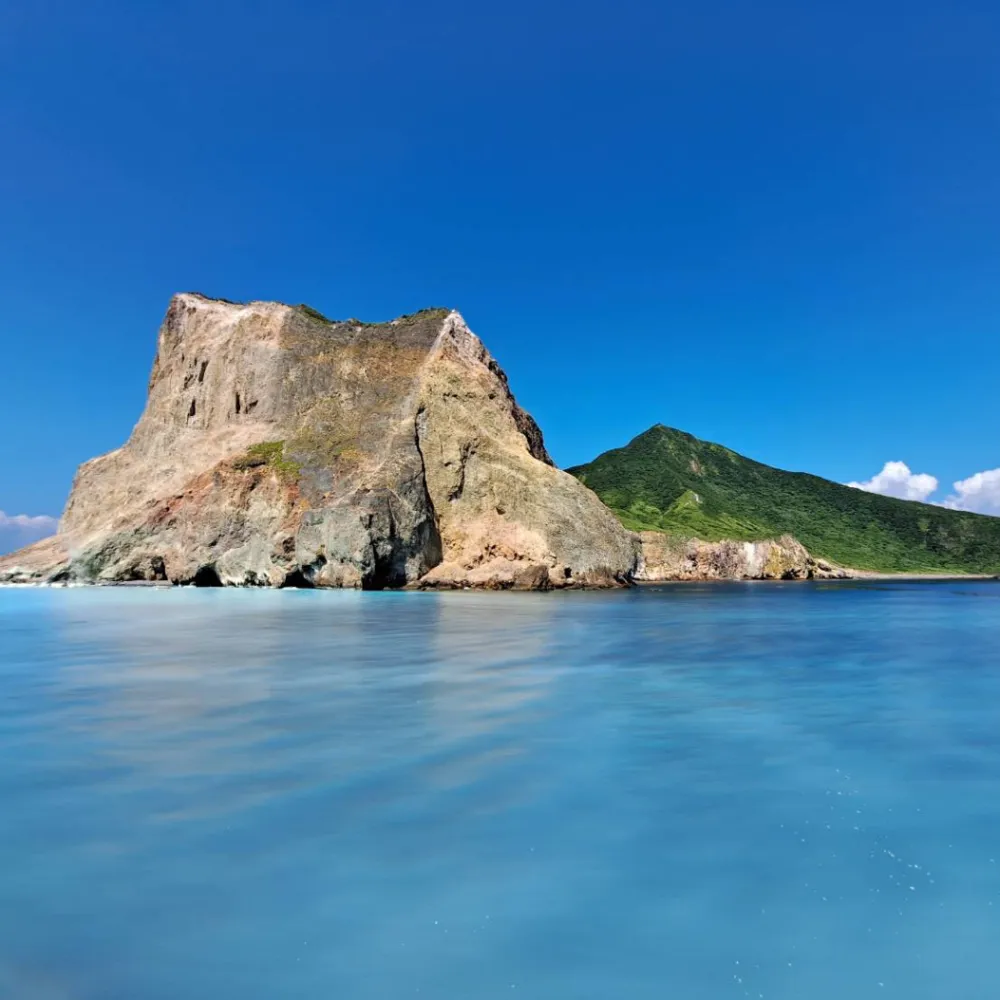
(278, 449)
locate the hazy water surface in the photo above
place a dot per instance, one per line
(676, 793)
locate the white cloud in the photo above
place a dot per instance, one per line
(979, 493)
(896, 480)
(28, 522)
(17, 530)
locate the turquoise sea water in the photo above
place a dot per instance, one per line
(690, 792)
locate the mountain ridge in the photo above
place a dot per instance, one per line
(668, 480)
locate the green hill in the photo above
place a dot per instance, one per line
(666, 480)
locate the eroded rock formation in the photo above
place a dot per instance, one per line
(670, 557)
(277, 448)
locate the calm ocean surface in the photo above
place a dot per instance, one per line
(674, 793)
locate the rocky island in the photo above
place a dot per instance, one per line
(278, 448)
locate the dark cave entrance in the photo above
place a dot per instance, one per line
(207, 577)
(304, 577)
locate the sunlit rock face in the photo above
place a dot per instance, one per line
(281, 449)
(671, 557)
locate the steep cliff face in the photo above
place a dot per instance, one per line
(503, 511)
(278, 449)
(670, 557)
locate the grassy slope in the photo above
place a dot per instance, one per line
(666, 480)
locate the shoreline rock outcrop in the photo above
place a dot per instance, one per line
(278, 448)
(666, 557)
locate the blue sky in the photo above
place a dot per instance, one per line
(772, 225)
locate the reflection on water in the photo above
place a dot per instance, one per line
(699, 791)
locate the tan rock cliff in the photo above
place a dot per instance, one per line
(277, 449)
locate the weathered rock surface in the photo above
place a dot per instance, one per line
(278, 448)
(670, 557)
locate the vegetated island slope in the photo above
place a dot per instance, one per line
(668, 481)
(278, 448)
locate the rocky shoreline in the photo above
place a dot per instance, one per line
(848, 577)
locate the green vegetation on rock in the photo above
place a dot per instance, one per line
(432, 313)
(312, 313)
(271, 454)
(666, 480)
